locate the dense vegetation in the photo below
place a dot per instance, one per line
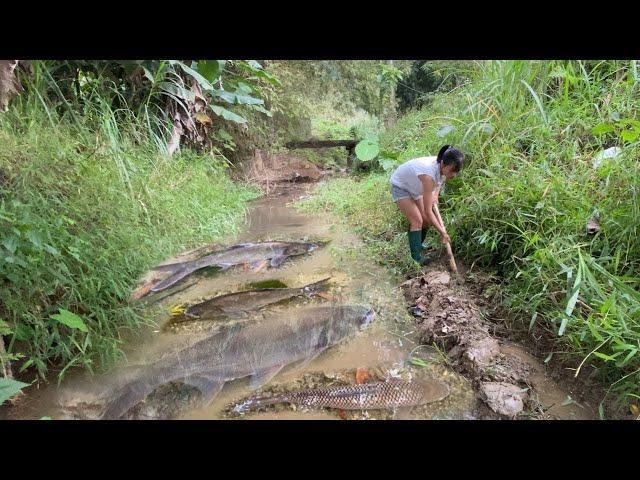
(535, 135)
(88, 202)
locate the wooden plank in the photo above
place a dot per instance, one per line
(349, 144)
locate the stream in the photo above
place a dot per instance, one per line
(389, 348)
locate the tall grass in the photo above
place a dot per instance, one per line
(522, 204)
(88, 203)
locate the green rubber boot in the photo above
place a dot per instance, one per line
(415, 245)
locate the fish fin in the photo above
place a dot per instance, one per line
(277, 260)
(207, 386)
(173, 279)
(259, 265)
(262, 377)
(301, 364)
(170, 267)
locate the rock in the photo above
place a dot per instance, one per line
(438, 278)
(445, 130)
(503, 398)
(481, 353)
(612, 152)
(455, 352)
(593, 226)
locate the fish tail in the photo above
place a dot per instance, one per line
(175, 278)
(129, 396)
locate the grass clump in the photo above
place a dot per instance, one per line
(80, 220)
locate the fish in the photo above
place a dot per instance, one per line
(242, 253)
(258, 350)
(238, 303)
(388, 394)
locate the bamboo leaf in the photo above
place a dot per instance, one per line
(538, 102)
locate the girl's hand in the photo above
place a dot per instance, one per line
(445, 237)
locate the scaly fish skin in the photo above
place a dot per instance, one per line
(366, 396)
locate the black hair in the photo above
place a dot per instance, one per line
(449, 155)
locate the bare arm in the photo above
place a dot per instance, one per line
(428, 196)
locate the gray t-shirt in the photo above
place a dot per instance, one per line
(406, 175)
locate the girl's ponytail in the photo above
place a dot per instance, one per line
(442, 152)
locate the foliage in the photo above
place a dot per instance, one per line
(81, 217)
(530, 130)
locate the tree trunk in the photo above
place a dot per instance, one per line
(8, 85)
(4, 360)
(392, 113)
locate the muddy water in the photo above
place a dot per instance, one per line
(389, 346)
(554, 401)
(388, 341)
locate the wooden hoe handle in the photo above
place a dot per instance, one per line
(452, 261)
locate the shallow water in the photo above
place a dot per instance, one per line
(388, 341)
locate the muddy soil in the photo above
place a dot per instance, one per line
(453, 313)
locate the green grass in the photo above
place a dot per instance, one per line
(521, 206)
(82, 215)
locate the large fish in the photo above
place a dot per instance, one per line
(238, 303)
(259, 350)
(377, 395)
(243, 253)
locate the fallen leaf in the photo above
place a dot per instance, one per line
(341, 414)
(362, 375)
(635, 409)
(203, 118)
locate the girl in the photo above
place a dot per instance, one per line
(415, 187)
